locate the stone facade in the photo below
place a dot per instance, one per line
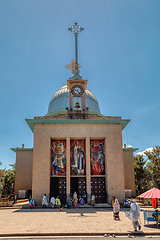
(33, 168)
(111, 133)
(23, 174)
(129, 171)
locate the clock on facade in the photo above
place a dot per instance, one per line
(77, 90)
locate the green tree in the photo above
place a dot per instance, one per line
(153, 166)
(141, 174)
(7, 180)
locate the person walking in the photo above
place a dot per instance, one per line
(134, 215)
(116, 208)
(44, 201)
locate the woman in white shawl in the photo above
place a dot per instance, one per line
(134, 215)
(52, 201)
(116, 208)
(44, 201)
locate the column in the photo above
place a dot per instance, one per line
(71, 100)
(106, 182)
(88, 170)
(67, 167)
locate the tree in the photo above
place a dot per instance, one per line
(7, 180)
(153, 166)
(140, 174)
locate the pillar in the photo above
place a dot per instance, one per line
(68, 167)
(105, 150)
(88, 171)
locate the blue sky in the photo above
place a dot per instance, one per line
(119, 51)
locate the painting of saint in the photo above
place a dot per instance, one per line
(97, 157)
(78, 161)
(58, 157)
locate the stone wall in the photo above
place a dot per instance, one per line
(129, 171)
(23, 173)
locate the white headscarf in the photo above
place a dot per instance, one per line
(116, 206)
(134, 213)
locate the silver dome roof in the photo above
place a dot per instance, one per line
(60, 101)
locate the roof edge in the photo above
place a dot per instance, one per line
(130, 149)
(21, 149)
(31, 122)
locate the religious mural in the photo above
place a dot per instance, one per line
(97, 157)
(58, 157)
(78, 159)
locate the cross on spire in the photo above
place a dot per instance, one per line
(71, 66)
(76, 29)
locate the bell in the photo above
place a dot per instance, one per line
(77, 105)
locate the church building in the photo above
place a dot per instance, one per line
(76, 148)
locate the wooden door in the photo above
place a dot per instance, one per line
(81, 186)
(62, 187)
(98, 189)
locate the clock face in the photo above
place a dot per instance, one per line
(77, 90)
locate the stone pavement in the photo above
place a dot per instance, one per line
(48, 221)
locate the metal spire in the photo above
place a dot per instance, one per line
(76, 29)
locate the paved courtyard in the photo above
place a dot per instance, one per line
(68, 221)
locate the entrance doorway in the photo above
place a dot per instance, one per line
(54, 187)
(74, 185)
(58, 187)
(78, 184)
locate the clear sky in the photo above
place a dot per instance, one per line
(119, 51)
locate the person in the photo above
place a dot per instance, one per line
(81, 201)
(93, 200)
(63, 200)
(134, 215)
(32, 203)
(116, 208)
(126, 203)
(156, 216)
(113, 199)
(44, 201)
(69, 202)
(58, 202)
(52, 201)
(75, 199)
(84, 197)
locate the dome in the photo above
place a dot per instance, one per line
(60, 101)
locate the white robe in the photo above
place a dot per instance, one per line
(134, 213)
(44, 201)
(52, 200)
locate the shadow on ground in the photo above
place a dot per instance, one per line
(70, 211)
(151, 226)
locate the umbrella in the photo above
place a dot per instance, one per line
(152, 193)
